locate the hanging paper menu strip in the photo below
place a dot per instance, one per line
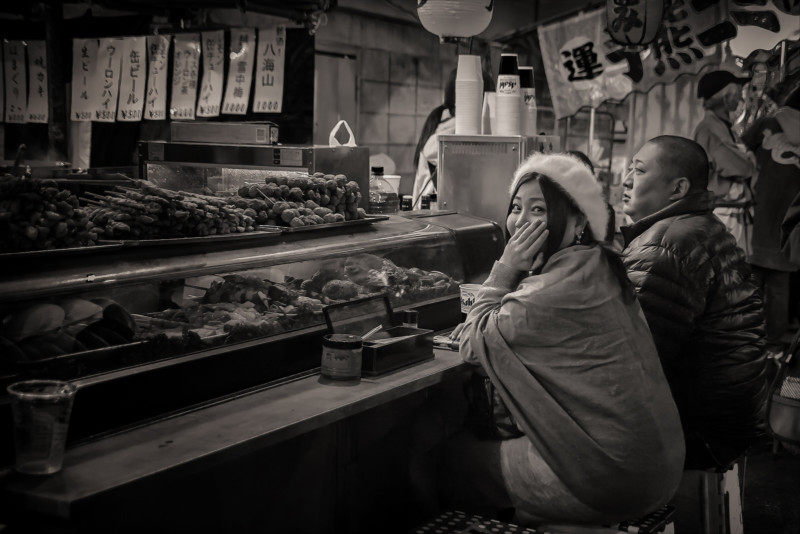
(84, 78)
(109, 65)
(185, 64)
(2, 85)
(213, 70)
(132, 79)
(269, 70)
(155, 106)
(37, 82)
(240, 72)
(16, 82)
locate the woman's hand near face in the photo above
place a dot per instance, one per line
(524, 246)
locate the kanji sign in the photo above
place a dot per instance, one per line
(2, 85)
(580, 60)
(242, 52)
(109, 64)
(575, 64)
(155, 104)
(37, 82)
(16, 81)
(84, 78)
(213, 71)
(633, 22)
(132, 79)
(269, 70)
(185, 64)
(685, 43)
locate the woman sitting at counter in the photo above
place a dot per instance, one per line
(559, 332)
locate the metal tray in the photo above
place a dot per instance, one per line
(60, 252)
(325, 226)
(262, 234)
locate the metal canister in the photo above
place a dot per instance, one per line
(341, 357)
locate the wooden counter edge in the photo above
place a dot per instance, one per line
(198, 439)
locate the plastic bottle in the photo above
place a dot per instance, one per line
(528, 101)
(382, 197)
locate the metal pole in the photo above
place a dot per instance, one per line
(783, 60)
(591, 133)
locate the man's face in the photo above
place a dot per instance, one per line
(648, 184)
(733, 97)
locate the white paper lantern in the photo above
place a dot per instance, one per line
(455, 18)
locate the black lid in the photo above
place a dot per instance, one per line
(509, 64)
(526, 77)
(377, 170)
(342, 341)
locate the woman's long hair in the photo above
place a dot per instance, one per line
(435, 116)
(559, 206)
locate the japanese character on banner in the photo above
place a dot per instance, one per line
(626, 16)
(185, 66)
(38, 108)
(16, 81)
(132, 79)
(242, 52)
(575, 63)
(155, 98)
(685, 43)
(580, 59)
(270, 70)
(84, 79)
(109, 65)
(213, 66)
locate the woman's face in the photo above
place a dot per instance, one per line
(528, 206)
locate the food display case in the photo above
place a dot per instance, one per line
(148, 330)
(196, 167)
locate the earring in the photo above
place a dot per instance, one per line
(579, 237)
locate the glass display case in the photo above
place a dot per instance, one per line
(147, 330)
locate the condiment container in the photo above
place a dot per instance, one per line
(341, 357)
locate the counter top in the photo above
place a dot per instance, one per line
(217, 433)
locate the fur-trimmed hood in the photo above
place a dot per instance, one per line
(576, 180)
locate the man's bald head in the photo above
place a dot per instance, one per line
(683, 157)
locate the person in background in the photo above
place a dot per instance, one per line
(426, 156)
(558, 330)
(775, 140)
(611, 228)
(440, 121)
(730, 166)
(702, 306)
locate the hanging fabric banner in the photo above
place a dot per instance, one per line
(240, 72)
(16, 82)
(84, 78)
(38, 109)
(155, 105)
(269, 70)
(584, 66)
(575, 65)
(185, 64)
(132, 79)
(213, 71)
(109, 65)
(685, 43)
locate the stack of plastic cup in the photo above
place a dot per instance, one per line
(509, 97)
(469, 95)
(528, 101)
(488, 113)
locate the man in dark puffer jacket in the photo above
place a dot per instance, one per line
(703, 308)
